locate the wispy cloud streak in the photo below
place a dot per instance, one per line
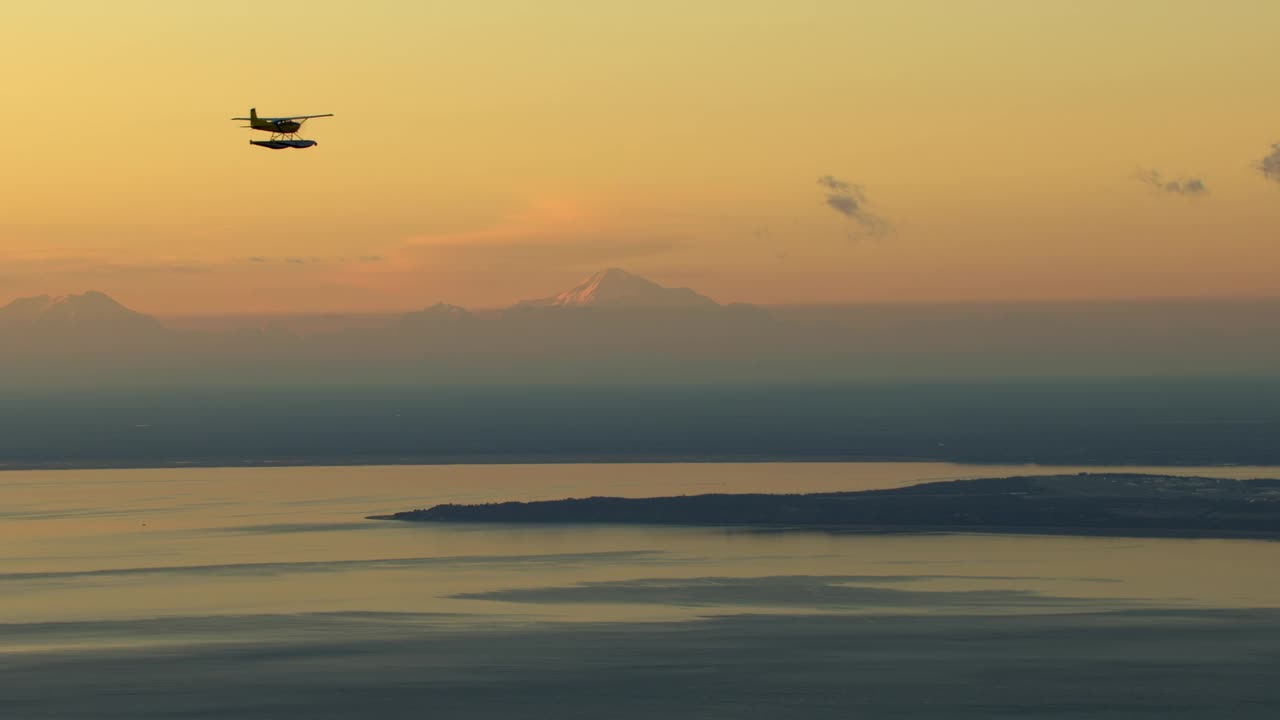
(1194, 187)
(850, 201)
(1269, 166)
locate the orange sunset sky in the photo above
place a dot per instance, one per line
(490, 151)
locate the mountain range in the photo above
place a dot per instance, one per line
(616, 327)
(96, 312)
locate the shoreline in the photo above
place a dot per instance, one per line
(884, 530)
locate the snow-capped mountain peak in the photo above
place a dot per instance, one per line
(616, 288)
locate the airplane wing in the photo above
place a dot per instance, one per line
(287, 117)
(295, 117)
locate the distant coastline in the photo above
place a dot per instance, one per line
(1104, 504)
(478, 459)
(566, 459)
(1097, 423)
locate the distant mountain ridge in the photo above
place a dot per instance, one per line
(88, 311)
(617, 288)
(617, 328)
(612, 288)
(440, 314)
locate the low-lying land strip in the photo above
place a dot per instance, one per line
(1100, 504)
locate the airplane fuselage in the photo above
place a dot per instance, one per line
(285, 127)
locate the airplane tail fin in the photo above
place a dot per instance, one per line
(253, 113)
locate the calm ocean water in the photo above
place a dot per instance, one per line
(265, 593)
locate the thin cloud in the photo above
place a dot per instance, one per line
(551, 233)
(1193, 187)
(538, 252)
(1269, 166)
(91, 263)
(850, 201)
(312, 260)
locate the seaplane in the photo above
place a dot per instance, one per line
(284, 130)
